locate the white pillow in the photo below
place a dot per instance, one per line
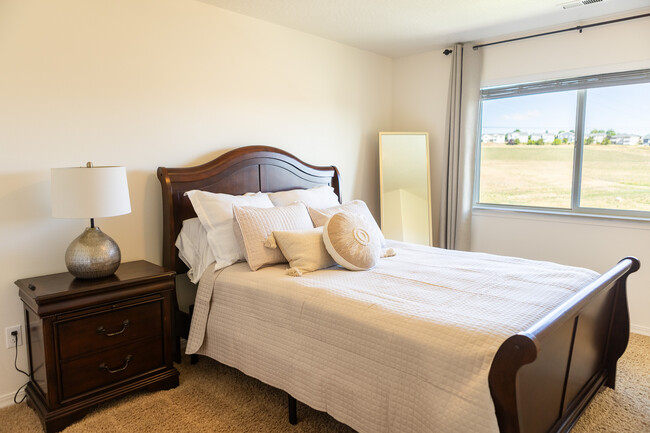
(349, 239)
(317, 197)
(359, 207)
(216, 215)
(193, 248)
(304, 250)
(257, 224)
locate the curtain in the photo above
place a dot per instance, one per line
(460, 148)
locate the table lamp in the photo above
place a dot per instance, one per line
(91, 192)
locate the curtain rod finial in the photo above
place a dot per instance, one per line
(447, 52)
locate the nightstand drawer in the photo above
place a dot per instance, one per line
(111, 366)
(103, 330)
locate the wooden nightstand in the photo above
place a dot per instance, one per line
(93, 340)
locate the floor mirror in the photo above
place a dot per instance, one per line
(405, 187)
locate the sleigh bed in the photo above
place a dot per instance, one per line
(541, 377)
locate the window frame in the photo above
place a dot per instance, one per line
(581, 85)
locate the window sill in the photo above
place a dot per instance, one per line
(563, 216)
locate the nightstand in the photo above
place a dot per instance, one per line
(93, 340)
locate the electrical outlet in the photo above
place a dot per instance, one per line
(10, 338)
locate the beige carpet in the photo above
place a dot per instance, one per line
(215, 398)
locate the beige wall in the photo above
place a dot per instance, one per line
(148, 83)
(420, 90)
(420, 86)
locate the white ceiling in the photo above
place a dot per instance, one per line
(402, 27)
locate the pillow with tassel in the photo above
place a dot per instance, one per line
(303, 249)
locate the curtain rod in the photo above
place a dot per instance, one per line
(577, 28)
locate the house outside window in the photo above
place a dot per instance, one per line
(578, 145)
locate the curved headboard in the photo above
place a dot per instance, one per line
(242, 170)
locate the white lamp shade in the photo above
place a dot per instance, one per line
(89, 192)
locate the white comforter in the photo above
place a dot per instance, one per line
(405, 347)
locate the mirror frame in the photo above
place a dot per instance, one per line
(381, 179)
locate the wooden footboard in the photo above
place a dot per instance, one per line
(542, 379)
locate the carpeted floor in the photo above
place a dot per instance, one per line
(216, 398)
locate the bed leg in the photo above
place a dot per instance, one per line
(611, 378)
(293, 416)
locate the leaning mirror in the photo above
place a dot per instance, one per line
(404, 186)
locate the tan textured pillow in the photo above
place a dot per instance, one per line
(359, 207)
(304, 249)
(256, 224)
(349, 239)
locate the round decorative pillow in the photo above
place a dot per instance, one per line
(348, 239)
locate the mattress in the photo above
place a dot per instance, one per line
(404, 347)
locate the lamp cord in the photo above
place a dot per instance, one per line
(23, 372)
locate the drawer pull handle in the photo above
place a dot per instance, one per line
(103, 366)
(101, 330)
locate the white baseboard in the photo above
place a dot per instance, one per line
(643, 330)
(8, 399)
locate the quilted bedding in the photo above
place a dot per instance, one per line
(405, 347)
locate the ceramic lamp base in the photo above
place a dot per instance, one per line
(92, 255)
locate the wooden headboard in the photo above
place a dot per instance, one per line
(242, 170)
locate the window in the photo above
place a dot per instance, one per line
(579, 145)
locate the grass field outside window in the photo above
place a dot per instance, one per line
(614, 177)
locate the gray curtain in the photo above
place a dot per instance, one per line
(460, 148)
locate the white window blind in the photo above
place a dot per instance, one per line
(560, 85)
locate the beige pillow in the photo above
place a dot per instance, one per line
(256, 224)
(349, 239)
(304, 249)
(359, 207)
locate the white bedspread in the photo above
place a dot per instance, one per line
(405, 347)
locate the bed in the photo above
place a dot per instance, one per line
(540, 377)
